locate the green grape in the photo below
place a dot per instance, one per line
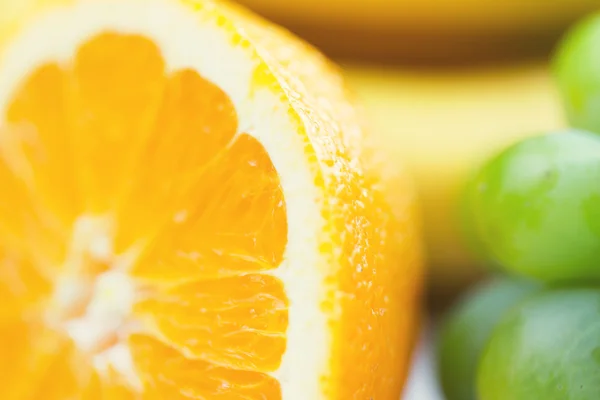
(546, 348)
(577, 70)
(467, 330)
(535, 208)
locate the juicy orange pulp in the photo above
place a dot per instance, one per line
(107, 146)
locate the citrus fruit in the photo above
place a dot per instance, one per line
(576, 66)
(442, 124)
(426, 28)
(467, 330)
(534, 207)
(546, 347)
(190, 210)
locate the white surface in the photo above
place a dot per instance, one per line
(422, 384)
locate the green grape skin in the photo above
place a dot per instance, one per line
(535, 208)
(575, 66)
(546, 348)
(466, 331)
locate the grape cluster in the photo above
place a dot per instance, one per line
(533, 212)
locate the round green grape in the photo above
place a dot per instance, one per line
(547, 347)
(577, 70)
(535, 208)
(467, 330)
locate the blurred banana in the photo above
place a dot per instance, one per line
(425, 29)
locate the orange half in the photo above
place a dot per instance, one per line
(189, 211)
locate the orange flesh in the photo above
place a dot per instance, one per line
(109, 163)
(378, 317)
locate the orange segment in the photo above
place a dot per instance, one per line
(23, 213)
(169, 375)
(233, 221)
(112, 113)
(38, 119)
(25, 266)
(237, 322)
(194, 124)
(22, 286)
(53, 367)
(111, 386)
(15, 205)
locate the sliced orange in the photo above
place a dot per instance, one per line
(189, 211)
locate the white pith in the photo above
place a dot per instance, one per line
(108, 313)
(188, 40)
